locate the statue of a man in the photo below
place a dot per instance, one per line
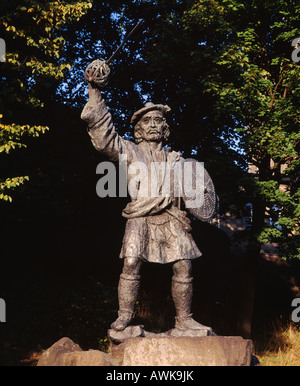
(157, 230)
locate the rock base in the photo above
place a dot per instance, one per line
(184, 351)
(66, 353)
(155, 351)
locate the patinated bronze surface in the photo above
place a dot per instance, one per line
(157, 229)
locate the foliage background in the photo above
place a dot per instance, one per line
(225, 68)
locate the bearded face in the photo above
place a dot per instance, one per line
(151, 127)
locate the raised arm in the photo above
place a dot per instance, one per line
(101, 128)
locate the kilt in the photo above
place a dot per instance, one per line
(159, 238)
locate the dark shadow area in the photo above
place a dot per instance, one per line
(59, 265)
(276, 286)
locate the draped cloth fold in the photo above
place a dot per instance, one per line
(156, 229)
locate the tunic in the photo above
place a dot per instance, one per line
(157, 230)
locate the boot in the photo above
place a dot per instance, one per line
(182, 293)
(127, 293)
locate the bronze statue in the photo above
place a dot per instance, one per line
(157, 229)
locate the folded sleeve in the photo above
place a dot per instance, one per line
(103, 134)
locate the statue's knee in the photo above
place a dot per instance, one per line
(131, 267)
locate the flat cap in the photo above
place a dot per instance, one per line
(148, 107)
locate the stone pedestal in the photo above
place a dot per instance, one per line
(155, 351)
(184, 351)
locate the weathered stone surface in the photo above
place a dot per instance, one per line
(186, 351)
(84, 358)
(51, 355)
(155, 351)
(66, 353)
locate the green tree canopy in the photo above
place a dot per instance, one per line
(33, 69)
(255, 85)
(225, 68)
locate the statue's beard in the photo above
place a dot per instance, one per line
(153, 136)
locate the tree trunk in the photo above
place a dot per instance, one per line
(247, 292)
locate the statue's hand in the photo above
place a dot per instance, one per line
(97, 73)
